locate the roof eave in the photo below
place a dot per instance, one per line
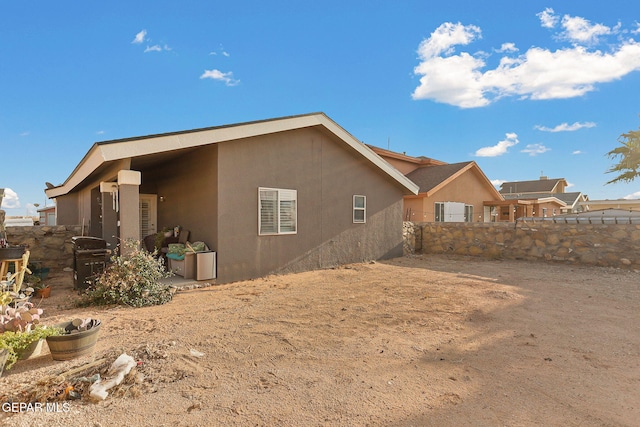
(101, 153)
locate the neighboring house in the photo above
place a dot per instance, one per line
(626, 204)
(542, 198)
(282, 195)
(456, 192)
(542, 185)
(47, 215)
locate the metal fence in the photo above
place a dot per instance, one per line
(585, 220)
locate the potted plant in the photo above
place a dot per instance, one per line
(78, 338)
(38, 287)
(20, 331)
(42, 290)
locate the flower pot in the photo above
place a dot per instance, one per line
(34, 350)
(43, 292)
(12, 252)
(72, 345)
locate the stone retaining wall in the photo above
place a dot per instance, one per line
(50, 245)
(614, 245)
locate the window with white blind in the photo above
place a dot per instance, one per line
(359, 209)
(277, 211)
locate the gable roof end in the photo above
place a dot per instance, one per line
(109, 151)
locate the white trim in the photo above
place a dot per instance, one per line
(101, 153)
(281, 196)
(362, 209)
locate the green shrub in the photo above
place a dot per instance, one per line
(132, 278)
(17, 342)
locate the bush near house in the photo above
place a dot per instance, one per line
(132, 278)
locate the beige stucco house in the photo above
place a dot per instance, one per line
(541, 198)
(455, 192)
(282, 195)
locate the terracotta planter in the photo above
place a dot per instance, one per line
(72, 345)
(43, 292)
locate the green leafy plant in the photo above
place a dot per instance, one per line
(17, 342)
(132, 278)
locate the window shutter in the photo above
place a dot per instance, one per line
(268, 211)
(288, 211)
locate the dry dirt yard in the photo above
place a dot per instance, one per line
(415, 341)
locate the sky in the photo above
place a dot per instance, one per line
(524, 89)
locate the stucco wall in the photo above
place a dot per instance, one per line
(468, 188)
(326, 175)
(615, 245)
(49, 244)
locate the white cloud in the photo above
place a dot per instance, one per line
(632, 196)
(445, 37)
(500, 148)
(26, 133)
(157, 48)
(11, 199)
(547, 18)
(460, 79)
(565, 127)
(535, 149)
(140, 37)
(577, 152)
(227, 78)
(580, 30)
(221, 51)
(497, 182)
(507, 47)
(637, 30)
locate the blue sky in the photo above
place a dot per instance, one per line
(522, 88)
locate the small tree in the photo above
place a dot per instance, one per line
(628, 154)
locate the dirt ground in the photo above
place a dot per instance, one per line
(415, 341)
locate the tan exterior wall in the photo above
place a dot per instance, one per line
(326, 176)
(466, 188)
(188, 185)
(212, 191)
(67, 209)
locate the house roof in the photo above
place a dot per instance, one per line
(103, 153)
(569, 198)
(418, 161)
(534, 186)
(431, 178)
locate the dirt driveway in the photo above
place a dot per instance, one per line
(415, 341)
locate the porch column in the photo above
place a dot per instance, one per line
(129, 192)
(512, 216)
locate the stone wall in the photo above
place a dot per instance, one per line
(50, 245)
(614, 245)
